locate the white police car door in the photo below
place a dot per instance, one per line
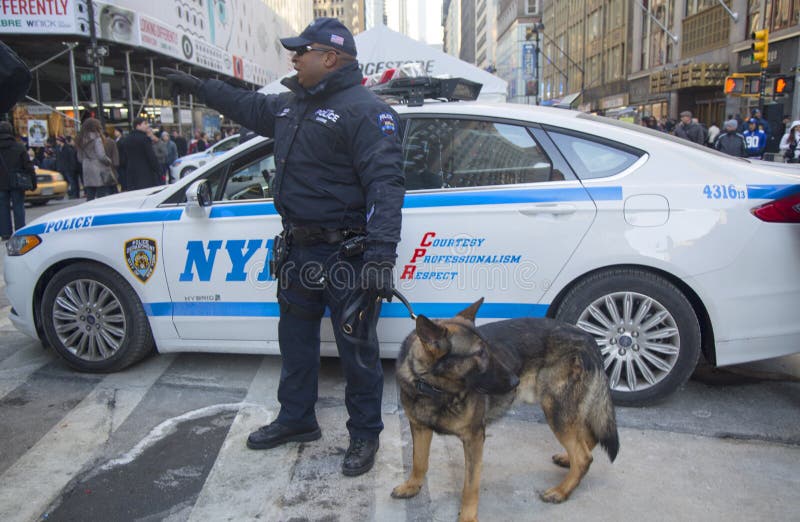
(217, 265)
(491, 210)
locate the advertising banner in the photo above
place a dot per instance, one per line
(234, 38)
(37, 133)
(51, 16)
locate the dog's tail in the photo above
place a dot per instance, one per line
(600, 413)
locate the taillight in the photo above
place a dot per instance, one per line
(783, 210)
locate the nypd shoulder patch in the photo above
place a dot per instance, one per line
(387, 123)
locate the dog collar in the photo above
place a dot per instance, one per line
(428, 389)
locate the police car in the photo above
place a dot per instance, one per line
(663, 250)
(186, 164)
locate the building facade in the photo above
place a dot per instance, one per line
(352, 13)
(486, 34)
(661, 57)
(451, 24)
(518, 23)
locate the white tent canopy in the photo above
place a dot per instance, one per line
(380, 49)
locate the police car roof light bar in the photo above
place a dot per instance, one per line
(414, 90)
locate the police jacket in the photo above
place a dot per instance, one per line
(338, 156)
(732, 143)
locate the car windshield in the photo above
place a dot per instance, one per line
(653, 132)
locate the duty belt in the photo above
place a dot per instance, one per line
(306, 235)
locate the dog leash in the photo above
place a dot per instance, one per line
(360, 314)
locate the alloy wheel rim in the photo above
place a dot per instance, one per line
(638, 338)
(89, 320)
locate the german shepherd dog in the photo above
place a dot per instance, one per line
(455, 378)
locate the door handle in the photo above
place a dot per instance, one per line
(556, 209)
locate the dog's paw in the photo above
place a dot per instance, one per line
(561, 459)
(406, 490)
(553, 496)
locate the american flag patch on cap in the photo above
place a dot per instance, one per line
(338, 40)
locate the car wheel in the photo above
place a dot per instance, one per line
(646, 329)
(185, 172)
(39, 203)
(94, 319)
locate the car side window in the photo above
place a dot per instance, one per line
(449, 153)
(250, 181)
(246, 176)
(591, 158)
(226, 145)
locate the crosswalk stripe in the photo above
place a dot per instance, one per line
(232, 490)
(38, 477)
(17, 368)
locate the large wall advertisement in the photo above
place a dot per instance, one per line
(236, 38)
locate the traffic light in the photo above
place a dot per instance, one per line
(734, 84)
(760, 47)
(783, 85)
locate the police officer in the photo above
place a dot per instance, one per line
(338, 176)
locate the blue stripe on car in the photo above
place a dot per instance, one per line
(445, 199)
(771, 191)
(245, 309)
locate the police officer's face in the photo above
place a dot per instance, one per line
(312, 65)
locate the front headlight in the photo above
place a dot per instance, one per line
(18, 245)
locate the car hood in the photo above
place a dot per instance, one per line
(114, 203)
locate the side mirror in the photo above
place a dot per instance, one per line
(198, 197)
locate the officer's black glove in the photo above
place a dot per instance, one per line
(378, 278)
(182, 83)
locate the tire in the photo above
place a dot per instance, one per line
(620, 307)
(185, 172)
(94, 319)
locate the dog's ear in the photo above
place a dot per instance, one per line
(433, 336)
(471, 311)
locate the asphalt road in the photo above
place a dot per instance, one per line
(164, 440)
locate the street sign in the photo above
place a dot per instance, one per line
(87, 77)
(107, 71)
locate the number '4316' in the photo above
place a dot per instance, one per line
(724, 192)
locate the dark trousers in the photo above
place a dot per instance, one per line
(99, 192)
(9, 199)
(303, 300)
(73, 185)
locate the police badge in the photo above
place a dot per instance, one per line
(140, 254)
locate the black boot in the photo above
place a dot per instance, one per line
(276, 434)
(360, 456)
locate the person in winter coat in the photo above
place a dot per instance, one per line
(141, 165)
(713, 134)
(731, 142)
(689, 130)
(755, 139)
(98, 177)
(790, 143)
(180, 143)
(67, 164)
(13, 158)
(112, 151)
(171, 152)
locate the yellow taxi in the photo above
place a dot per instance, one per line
(49, 185)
